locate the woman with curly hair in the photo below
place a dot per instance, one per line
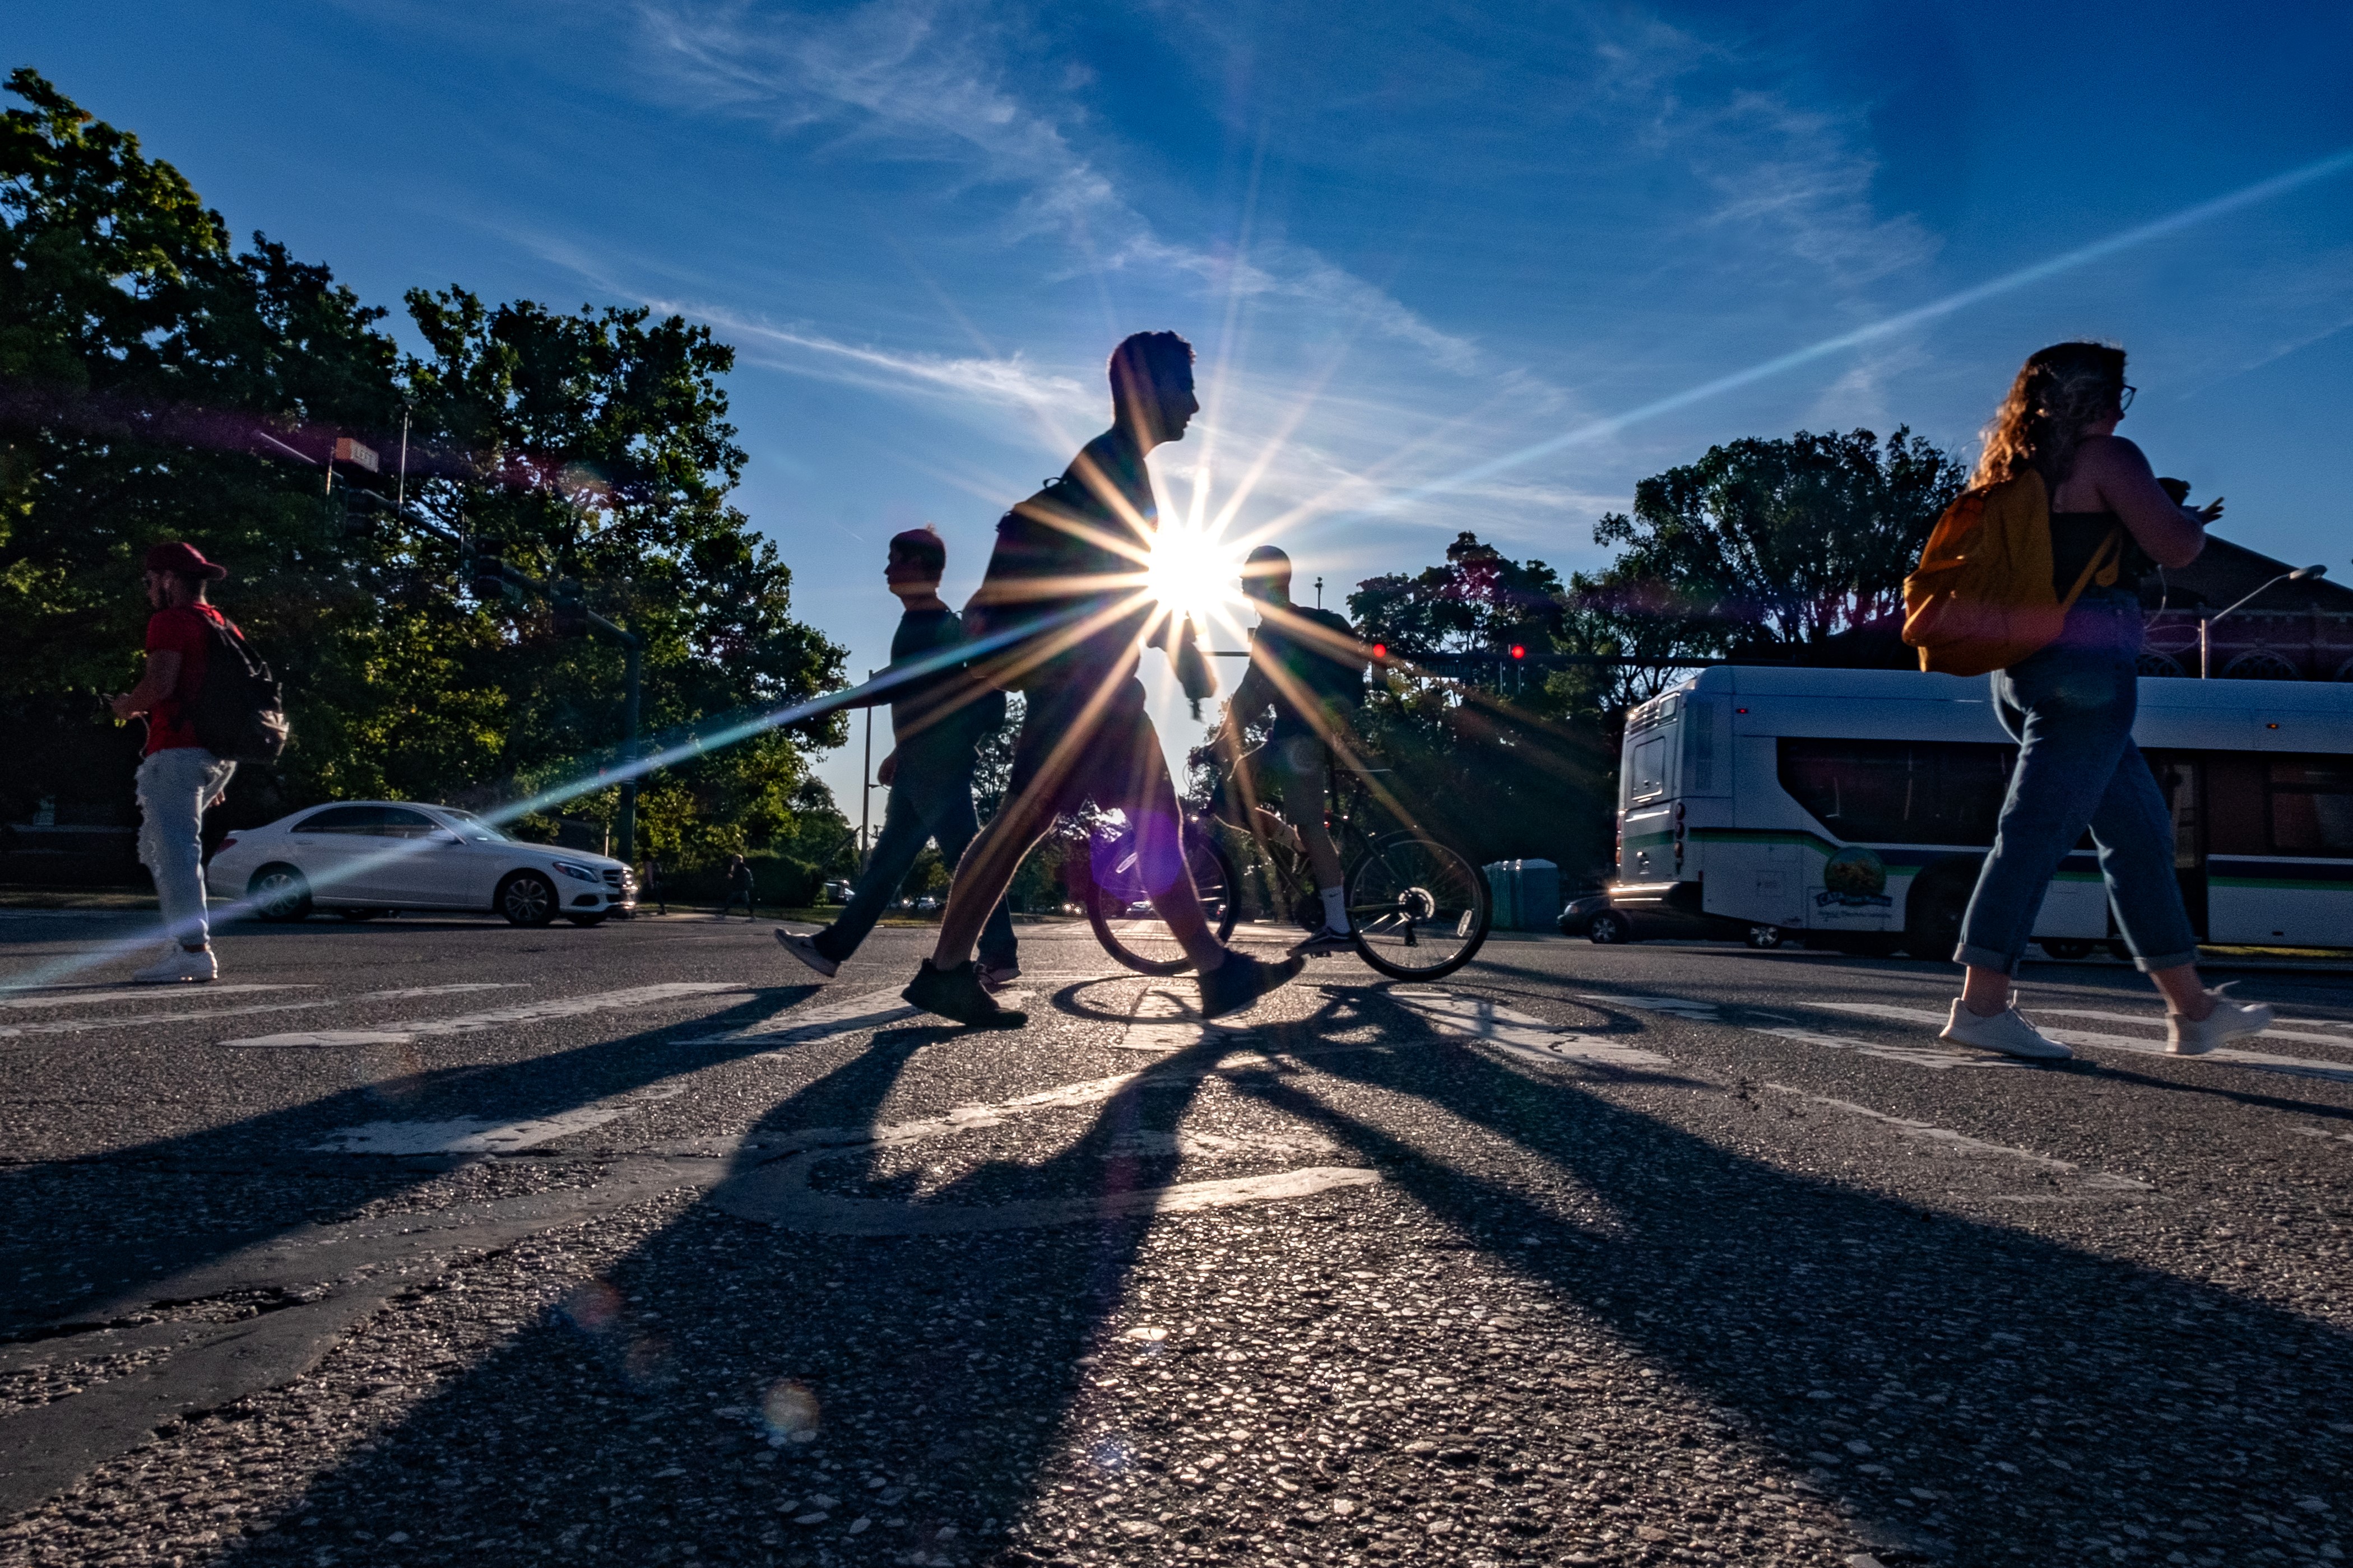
(2070, 707)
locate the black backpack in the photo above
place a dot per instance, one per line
(238, 713)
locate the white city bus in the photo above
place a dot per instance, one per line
(1854, 807)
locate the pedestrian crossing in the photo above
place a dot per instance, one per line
(2139, 1045)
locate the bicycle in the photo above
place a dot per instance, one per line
(1418, 908)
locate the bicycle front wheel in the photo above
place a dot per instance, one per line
(1134, 933)
(1420, 909)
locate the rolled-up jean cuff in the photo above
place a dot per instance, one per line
(2165, 961)
(1985, 958)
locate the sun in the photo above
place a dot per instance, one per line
(1192, 572)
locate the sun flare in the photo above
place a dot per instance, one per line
(1192, 572)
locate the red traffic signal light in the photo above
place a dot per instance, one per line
(1519, 650)
(1380, 650)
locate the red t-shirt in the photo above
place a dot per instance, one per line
(181, 629)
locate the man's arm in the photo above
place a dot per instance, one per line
(160, 679)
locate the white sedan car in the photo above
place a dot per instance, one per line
(365, 858)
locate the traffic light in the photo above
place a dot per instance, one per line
(487, 579)
(1519, 650)
(571, 605)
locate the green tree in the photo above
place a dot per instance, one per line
(1764, 548)
(155, 382)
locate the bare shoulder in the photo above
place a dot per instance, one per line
(2101, 456)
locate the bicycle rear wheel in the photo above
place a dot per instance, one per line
(1132, 931)
(1420, 909)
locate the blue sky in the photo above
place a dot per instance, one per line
(1411, 242)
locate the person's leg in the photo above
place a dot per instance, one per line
(173, 787)
(1151, 807)
(947, 809)
(986, 870)
(1303, 764)
(902, 840)
(2072, 710)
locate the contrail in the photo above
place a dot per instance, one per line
(2188, 217)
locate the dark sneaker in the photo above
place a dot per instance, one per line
(957, 994)
(1241, 980)
(1324, 943)
(805, 948)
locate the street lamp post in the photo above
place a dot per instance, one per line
(2206, 623)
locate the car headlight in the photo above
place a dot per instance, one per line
(575, 870)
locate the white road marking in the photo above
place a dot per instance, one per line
(820, 1020)
(2261, 1061)
(1521, 1034)
(1962, 1143)
(452, 990)
(1935, 1061)
(502, 1017)
(84, 1025)
(474, 1135)
(133, 994)
(1674, 1006)
(2157, 1021)
(1934, 1057)
(2322, 1132)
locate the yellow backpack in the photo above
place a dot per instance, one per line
(1981, 599)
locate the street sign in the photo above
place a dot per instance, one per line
(350, 451)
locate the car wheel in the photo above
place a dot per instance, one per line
(279, 894)
(585, 921)
(1608, 928)
(2068, 947)
(527, 898)
(1763, 937)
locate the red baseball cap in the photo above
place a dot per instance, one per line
(183, 559)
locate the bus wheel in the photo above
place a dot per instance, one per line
(1609, 928)
(1763, 937)
(2067, 947)
(1932, 927)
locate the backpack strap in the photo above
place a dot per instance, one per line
(2109, 555)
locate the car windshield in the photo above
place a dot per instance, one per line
(474, 827)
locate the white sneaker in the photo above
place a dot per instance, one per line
(805, 949)
(2005, 1032)
(181, 967)
(996, 977)
(2229, 1021)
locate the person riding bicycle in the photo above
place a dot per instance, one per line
(1308, 667)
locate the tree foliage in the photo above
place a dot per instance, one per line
(1763, 548)
(157, 382)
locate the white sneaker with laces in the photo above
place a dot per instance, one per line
(805, 949)
(2005, 1032)
(179, 967)
(1324, 943)
(2229, 1021)
(996, 977)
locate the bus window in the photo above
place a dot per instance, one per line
(2311, 805)
(1648, 779)
(1899, 792)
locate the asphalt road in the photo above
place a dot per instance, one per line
(443, 1242)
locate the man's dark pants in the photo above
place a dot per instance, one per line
(926, 803)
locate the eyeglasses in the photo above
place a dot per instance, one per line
(2123, 398)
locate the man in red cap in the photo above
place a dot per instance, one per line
(179, 778)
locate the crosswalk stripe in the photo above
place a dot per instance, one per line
(834, 1015)
(133, 994)
(2157, 1021)
(1936, 1058)
(475, 1135)
(2262, 1061)
(85, 1026)
(501, 1017)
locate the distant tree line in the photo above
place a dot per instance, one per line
(1763, 551)
(157, 382)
